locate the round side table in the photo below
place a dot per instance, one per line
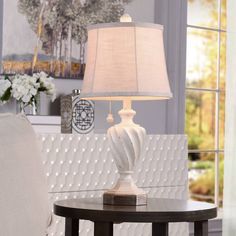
(159, 212)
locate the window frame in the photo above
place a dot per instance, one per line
(218, 93)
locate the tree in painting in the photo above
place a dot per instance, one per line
(61, 23)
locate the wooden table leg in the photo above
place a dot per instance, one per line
(103, 229)
(160, 229)
(201, 228)
(71, 227)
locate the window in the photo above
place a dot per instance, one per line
(205, 97)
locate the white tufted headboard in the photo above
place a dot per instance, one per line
(81, 166)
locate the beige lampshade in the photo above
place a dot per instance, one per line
(125, 60)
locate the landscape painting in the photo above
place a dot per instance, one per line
(50, 35)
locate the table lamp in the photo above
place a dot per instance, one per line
(125, 62)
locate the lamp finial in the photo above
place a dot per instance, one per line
(125, 18)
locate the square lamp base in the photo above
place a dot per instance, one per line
(124, 200)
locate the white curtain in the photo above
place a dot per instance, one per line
(229, 220)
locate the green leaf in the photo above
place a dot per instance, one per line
(6, 96)
(42, 89)
(6, 77)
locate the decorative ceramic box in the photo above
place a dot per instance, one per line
(77, 115)
(66, 114)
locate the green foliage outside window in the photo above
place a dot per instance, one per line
(201, 105)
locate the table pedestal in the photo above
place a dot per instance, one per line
(106, 228)
(71, 227)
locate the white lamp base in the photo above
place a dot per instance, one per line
(126, 141)
(125, 192)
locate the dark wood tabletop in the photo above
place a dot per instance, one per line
(157, 211)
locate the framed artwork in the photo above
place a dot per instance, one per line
(50, 35)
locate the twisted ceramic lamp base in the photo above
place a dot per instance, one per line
(126, 140)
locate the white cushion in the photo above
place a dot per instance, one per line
(24, 209)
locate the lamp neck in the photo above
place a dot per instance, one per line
(127, 104)
(127, 113)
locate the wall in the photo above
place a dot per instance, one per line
(158, 117)
(1, 27)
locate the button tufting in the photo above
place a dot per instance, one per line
(83, 164)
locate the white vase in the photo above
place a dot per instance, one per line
(35, 106)
(32, 108)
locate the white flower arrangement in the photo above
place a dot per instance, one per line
(25, 88)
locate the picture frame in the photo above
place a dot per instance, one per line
(51, 35)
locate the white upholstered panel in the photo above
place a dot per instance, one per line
(24, 206)
(75, 164)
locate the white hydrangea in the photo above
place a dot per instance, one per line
(46, 82)
(4, 85)
(52, 92)
(25, 87)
